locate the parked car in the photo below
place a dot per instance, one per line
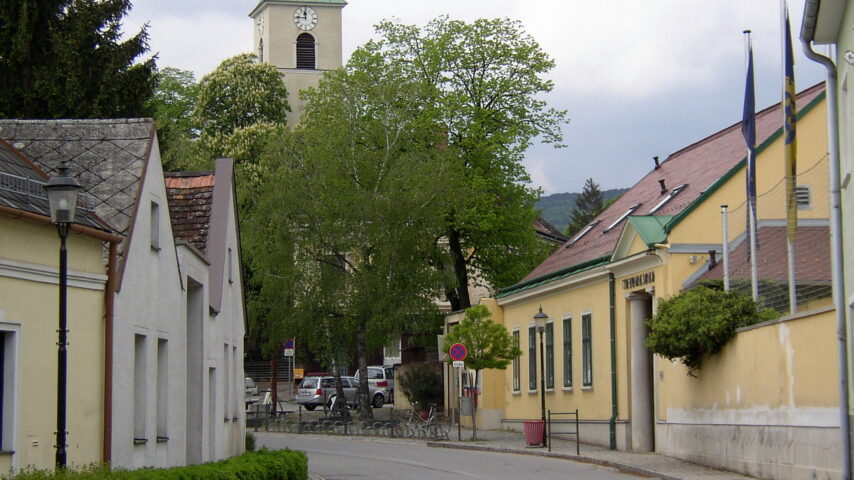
(316, 392)
(381, 380)
(250, 390)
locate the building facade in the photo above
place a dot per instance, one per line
(746, 404)
(301, 39)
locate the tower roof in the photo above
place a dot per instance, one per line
(262, 3)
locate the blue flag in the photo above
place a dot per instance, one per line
(748, 130)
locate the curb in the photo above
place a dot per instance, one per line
(579, 458)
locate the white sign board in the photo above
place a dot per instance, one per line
(289, 352)
(459, 364)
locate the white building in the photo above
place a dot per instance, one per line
(174, 388)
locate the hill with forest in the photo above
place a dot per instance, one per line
(557, 207)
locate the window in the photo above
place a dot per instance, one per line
(622, 217)
(517, 367)
(230, 266)
(567, 352)
(162, 390)
(586, 350)
(139, 391)
(550, 355)
(669, 197)
(583, 232)
(261, 50)
(803, 197)
(226, 374)
(532, 358)
(8, 345)
(155, 226)
(305, 52)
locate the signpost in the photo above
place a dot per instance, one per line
(458, 352)
(288, 352)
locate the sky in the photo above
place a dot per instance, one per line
(639, 78)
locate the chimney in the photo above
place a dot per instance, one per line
(712, 260)
(655, 159)
(663, 187)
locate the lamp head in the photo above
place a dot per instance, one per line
(540, 319)
(62, 193)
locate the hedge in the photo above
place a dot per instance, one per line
(260, 465)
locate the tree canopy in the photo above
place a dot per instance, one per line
(172, 106)
(588, 205)
(350, 211)
(487, 79)
(489, 344)
(65, 59)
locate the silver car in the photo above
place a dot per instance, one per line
(381, 381)
(316, 392)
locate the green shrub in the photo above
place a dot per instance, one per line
(421, 385)
(250, 442)
(259, 465)
(699, 322)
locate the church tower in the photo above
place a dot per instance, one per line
(302, 39)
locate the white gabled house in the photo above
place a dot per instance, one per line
(174, 389)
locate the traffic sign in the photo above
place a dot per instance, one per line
(289, 343)
(458, 352)
(289, 347)
(458, 364)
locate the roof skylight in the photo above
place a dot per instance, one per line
(622, 217)
(666, 199)
(583, 232)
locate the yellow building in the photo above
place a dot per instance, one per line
(746, 403)
(29, 251)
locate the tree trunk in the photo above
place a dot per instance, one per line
(473, 391)
(362, 361)
(274, 388)
(459, 296)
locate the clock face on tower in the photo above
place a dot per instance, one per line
(305, 18)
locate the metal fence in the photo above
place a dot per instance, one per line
(572, 423)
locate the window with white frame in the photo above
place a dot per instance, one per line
(567, 352)
(8, 372)
(517, 364)
(550, 355)
(623, 217)
(532, 358)
(587, 349)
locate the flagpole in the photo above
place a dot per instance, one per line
(751, 172)
(790, 151)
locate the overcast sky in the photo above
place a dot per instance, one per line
(638, 77)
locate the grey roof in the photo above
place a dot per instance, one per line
(22, 188)
(107, 157)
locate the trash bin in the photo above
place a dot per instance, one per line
(534, 432)
(466, 406)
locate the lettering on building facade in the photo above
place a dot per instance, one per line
(638, 280)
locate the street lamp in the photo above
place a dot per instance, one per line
(62, 196)
(540, 319)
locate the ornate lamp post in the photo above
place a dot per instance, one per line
(540, 319)
(62, 196)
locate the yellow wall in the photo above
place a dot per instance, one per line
(593, 401)
(782, 365)
(32, 306)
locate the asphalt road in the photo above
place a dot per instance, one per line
(348, 458)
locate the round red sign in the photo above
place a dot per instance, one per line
(458, 352)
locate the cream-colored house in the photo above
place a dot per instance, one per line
(29, 292)
(759, 406)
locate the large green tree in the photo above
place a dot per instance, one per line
(172, 107)
(489, 345)
(349, 212)
(588, 205)
(66, 59)
(488, 79)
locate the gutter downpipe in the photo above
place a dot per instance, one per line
(109, 301)
(807, 35)
(612, 423)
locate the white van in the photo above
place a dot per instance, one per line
(381, 378)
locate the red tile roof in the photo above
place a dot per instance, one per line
(547, 230)
(812, 256)
(190, 202)
(697, 166)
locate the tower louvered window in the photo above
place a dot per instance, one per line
(305, 52)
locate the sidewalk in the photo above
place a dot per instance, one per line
(651, 464)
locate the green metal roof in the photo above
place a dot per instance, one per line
(651, 227)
